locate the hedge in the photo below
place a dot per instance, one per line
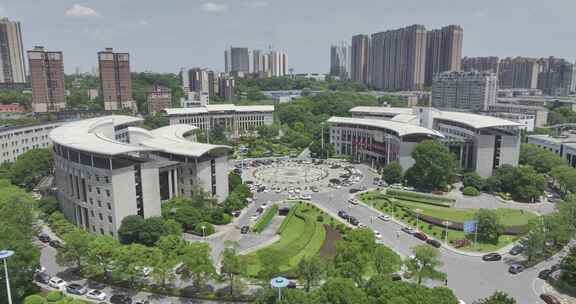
(54, 296)
(510, 230)
(416, 195)
(287, 219)
(422, 201)
(470, 191)
(34, 299)
(265, 219)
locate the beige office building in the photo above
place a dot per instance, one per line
(474, 91)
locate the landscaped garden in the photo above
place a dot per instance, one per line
(433, 211)
(302, 234)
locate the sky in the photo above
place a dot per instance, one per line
(164, 35)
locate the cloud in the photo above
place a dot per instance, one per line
(80, 11)
(257, 3)
(214, 7)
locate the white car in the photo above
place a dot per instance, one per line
(384, 217)
(254, 217)
(306, 197)
(292, 197)
(96, 294)
(58, 283)
(377, 234)
(278, 190)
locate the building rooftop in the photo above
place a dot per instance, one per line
(172, 139)
(95, 135)
(382, 110)
(218, 108)
(474, 120)
(401, 128)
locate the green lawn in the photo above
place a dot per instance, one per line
(508, 217)
(303, 236)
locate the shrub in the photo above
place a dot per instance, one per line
(320, 218)
(208, 228)
(34, 299)
(54, 296)
(266, 218)
(470, 191)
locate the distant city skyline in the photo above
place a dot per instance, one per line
(151, 30)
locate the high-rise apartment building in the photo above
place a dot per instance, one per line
(12, 69)
(115, 80)
(474, 91)
(518, 73)
(158, 98)
(260, 63)
(340, 60)
(47, 80)
(443, 51)
(278, 64)
(480, 64)
(199, 81)
(226, 87)
(557, 76)
(237, 60)
(359, 58)
(398, 59)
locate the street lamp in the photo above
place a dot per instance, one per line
(417, 218)
(203, 232)
(4, 255)
(446, 225)
(279, 282)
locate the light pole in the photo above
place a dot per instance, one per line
(446, 225)
(203, 232)
(4, 255)
(279, 282)
(417, 218)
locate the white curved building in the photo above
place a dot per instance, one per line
(480, 143)
(107, 168)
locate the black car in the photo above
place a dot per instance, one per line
(342, 214)
(120, 299)
(291, 284)
(434, 243)
(544, 274)
(236, 213)
(490, 257)
(354, 190)
(516, 250)
(353, 221)
(44, 238)
(515, 268)
(55, 244)
(396, 277)
(42, 277)
(76, 289)
(244, 229)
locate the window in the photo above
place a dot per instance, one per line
(91, 201)
(97, 177)
(109, 206)
(109, 219)
(97, 190)
(99, 204)
(92, 213)
(101, 231)
(107, 193)
(100, 216)
(89, 188)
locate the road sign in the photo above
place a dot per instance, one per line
(470, 226)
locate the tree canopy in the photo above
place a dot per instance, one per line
(434, 168)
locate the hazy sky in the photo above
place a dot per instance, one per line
(162, 35)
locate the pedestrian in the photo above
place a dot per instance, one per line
(446, 282)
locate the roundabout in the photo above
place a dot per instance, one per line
(282, 174)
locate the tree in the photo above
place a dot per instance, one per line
(163, 264)
(386, 261)
(135, 229)
(543, 161)
(271, 261)
(231, 266)
(310, 269)
(17, 231)
(568, 266)
(498, 297)
(435, 167)
(392, 173)
(101, 256)
(488, 226)
(425, 263)
(30, 167)
(129, 231)
(565, 176)
(351, 261)
(339, 291)
(533, 243)
(268, 131)
(73, 252)
(289, 296)
(234, 180)
(129, 262)
(198, 264)
(48, 205)
(528, 184)
(155, 121)
(472, 179)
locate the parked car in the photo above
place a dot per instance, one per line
(244, 229)
(236, 213)
(56, 282)
(120, 299)
(492, 257)
(384, 217)
(55, 244)
(353, 190)
(353, 221)
(342, 214)
(44, 238)
(544, 274)
(377, 234)
(396, 277)
(420, 236)
(291, 284)
(434, 243)
(306, 197)
(515, 268)
(76, 289)
(516, 250)
(549, 299)
(96, 294)
(408, 230)
(353, 201)
(42, 277)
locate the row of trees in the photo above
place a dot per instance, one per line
(28, 168)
